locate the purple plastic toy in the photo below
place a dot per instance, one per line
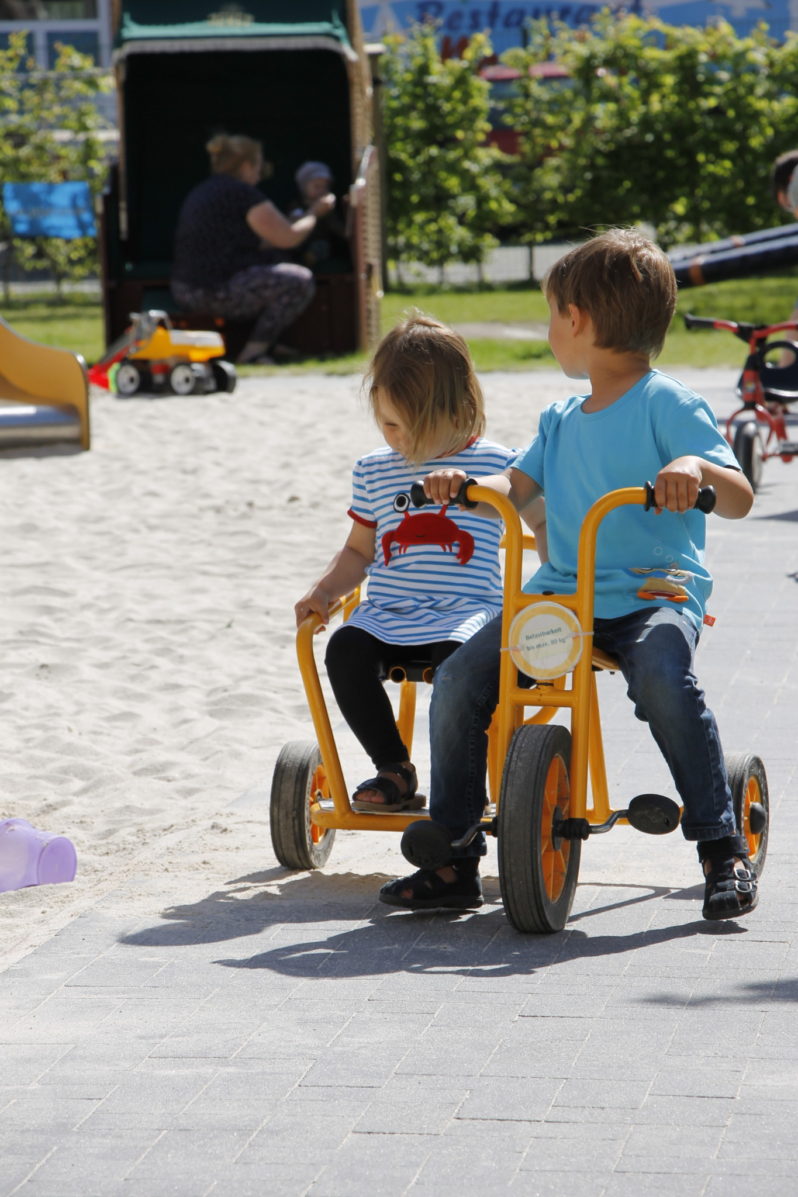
(32, 857)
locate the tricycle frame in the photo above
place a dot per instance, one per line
(579, 697)
(548, 784)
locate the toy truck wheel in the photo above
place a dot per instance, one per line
(182, 379)
(538, 869)
(749, 786)
(298, 779)
(224, 375)
(127, 379)
(748, 451)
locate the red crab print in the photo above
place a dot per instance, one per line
(428, 528)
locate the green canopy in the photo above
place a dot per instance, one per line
(146, 22)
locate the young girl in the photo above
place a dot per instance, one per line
(434, 576)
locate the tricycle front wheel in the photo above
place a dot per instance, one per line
(298, 779)
(749, 787)
(538, 869)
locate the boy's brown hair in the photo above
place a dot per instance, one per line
(426, 372)
(624, 283)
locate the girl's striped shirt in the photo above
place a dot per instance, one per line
(436, 573)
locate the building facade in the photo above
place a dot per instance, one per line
(506, 20)
(84, 24)
(87, 24)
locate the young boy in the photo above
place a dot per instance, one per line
(784, 185)
(784, 181)
(611, 301)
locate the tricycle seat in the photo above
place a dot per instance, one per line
(410, 671)
(781, 382)
(602, 660)
(778, 370)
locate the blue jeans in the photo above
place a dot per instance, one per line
(655, 648)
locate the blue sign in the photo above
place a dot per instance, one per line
(506, 20)
(62, 210)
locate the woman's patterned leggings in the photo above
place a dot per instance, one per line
(271, 295)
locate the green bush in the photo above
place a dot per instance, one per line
(445, 192)
(674, 126)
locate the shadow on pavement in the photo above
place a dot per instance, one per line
(385, 941)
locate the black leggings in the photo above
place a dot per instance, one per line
(357, 664)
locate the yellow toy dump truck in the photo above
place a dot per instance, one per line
(154, 356)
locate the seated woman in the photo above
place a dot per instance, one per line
(227, 248)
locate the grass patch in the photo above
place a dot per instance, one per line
(518, 303)
(75, 322)
(506, 354)
(755, 300)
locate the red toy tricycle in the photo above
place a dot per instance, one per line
(757, 430)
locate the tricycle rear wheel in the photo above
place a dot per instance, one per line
(749, 787)
(538, 869)
(298, 780)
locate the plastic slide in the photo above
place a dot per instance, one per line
(44, 393)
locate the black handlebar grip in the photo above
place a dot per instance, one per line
(417, 496)
(419, 499)
(707, 498)
(691, 321)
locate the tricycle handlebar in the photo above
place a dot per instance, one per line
(707, 498)
(750, 333)
(419, 499)
(743, 331)
(705, 502)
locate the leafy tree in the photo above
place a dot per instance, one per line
(675, 126)
(446, 193)
(50, 127)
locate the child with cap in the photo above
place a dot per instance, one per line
(315, 180)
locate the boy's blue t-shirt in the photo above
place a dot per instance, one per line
(578, 456)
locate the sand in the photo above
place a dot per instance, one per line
(149, 677)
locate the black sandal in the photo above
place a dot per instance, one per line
(395, 799)
(730, 888)
(428, 891)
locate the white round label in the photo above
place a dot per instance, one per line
(545, 640)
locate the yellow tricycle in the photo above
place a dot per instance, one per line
(547, 781)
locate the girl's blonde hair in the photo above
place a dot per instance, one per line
(228, 152)
(426, 372)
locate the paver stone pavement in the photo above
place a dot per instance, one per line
(264, 1032)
